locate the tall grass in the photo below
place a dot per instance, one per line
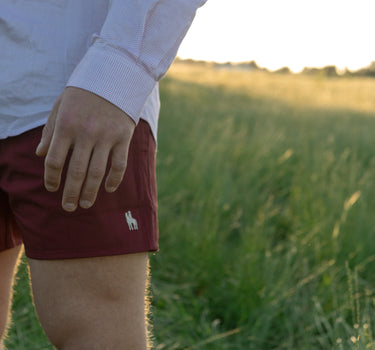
(266, 205)
(266, 212)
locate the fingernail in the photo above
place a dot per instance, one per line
(50, 188)
(38, 148)
(85, 204)
(111, 189)
(69, 206)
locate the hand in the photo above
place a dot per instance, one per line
(94, 129)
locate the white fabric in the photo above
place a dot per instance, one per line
(117, 49)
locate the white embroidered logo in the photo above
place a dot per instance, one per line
(132, 223)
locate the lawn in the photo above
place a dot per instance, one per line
(266, 206)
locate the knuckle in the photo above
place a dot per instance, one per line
(89, 194)
(46, 131)
(53, 163)
(88, 128)
(115, 179)
(96, 173)
(77, 173)
(66, 123)
(51, 180)
(70, 197)
(119, 165)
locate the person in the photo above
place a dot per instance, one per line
(79, 84)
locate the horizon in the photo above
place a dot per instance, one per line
(290, 34)
(339, 71)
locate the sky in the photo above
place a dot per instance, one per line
(275, 33)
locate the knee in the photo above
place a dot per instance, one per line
(68, 332)
(60, 326)
(84, 327)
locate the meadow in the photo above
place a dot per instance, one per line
(266, 209)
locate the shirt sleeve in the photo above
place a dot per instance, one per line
(134, 49)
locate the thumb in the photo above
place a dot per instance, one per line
(48, 131)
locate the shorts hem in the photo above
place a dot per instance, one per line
(10, 246)
(63, 255)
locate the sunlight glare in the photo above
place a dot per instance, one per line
(290, 33)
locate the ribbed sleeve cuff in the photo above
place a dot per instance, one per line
(114, 77)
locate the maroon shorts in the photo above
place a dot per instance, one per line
(122, 222)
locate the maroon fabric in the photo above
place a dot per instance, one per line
(122, 222)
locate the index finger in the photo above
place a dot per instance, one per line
(54, 163)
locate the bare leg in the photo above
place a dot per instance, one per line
(92, 303)
(8, 262)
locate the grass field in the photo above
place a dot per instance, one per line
(266, 205)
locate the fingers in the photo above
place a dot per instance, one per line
(54, 163)
(86, 172)
(75, 176)
(94, 128)
(48, 131)
(118, 167)
(95, 174)
(47, 134)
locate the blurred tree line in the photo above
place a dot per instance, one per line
(327, 71)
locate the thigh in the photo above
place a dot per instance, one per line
(92, 303)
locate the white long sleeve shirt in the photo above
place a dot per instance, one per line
(117, 49)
